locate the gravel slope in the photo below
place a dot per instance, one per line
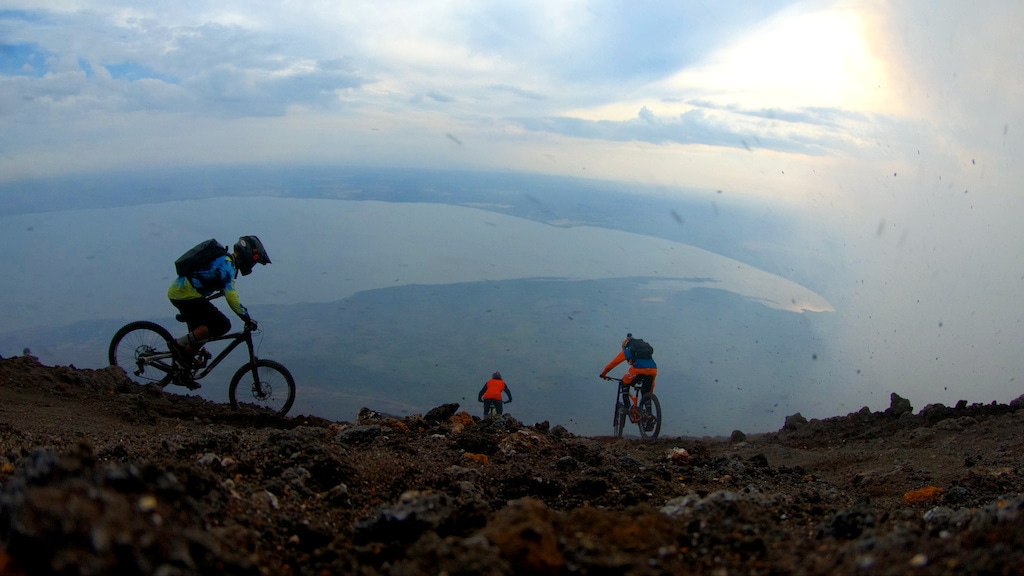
(99, 475)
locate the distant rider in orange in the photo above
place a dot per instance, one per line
(491, 393)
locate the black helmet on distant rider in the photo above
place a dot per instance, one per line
(249, 252)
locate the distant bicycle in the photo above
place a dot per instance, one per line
(143, 350)
(492, 408)
(643, 411)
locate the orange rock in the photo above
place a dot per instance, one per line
(926, 494)
(462, 418)
(524, 533)
(679, 455)
(481, 458)
(397, 425)
(7, 566)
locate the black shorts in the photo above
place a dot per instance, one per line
(201, 312)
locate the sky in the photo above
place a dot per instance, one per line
(729, 94)
(896, 125)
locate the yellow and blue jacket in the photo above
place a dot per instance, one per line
(219, 276)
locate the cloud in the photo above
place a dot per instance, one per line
(133, 72)
(208, 69)
(607, 43)
(811, 132)
(440, 97)
(519, 92)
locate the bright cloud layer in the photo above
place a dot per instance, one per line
(83, 82)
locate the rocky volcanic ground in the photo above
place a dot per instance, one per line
(99, 475)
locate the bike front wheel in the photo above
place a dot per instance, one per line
(620, 419)
(143, 350)
(650, 408)
(270, 386)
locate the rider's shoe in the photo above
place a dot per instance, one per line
(650, 424)
(181, 355)
(184, 379)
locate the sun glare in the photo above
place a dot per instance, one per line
(818, 59)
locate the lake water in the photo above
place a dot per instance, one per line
(116, 262)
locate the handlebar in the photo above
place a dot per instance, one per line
(638, 383)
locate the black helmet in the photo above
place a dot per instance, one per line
(496, 375)
(250, 252)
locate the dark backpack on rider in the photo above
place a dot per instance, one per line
(199, 258)
(639, 349)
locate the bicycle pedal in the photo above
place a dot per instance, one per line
(201, 358)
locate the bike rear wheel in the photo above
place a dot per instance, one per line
(143, 350)
(273, 388)
(650, 405)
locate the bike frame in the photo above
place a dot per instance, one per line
(629, 394)
(627, 405)
(245, 335)
(493, 411)
(237, 338)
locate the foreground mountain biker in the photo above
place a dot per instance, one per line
(640, 365)
(188, 294)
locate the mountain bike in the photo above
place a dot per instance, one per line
(143, 350)
(644, 410)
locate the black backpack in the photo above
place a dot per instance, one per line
(640, 349)
(199, 258)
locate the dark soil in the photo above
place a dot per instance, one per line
(99, 475)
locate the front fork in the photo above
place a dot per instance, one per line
(257, 386)
(634, 411)
(629, 403)
(252, 355)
